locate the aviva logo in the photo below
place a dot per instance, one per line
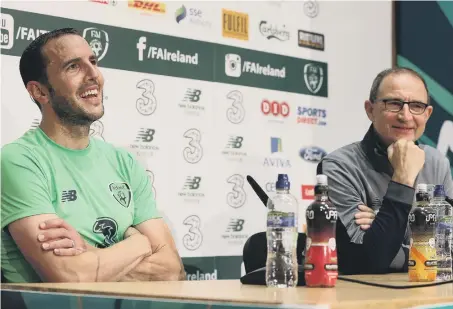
(276, 144)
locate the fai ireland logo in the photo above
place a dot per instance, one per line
(98, 40)
(314, 77)
(121, 192)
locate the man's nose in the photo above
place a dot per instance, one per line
(405, 114)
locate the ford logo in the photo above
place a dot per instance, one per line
(312, 154)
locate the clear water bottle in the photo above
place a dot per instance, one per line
(444, 228)
(282, 233)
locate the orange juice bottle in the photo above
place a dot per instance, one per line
(422, 255)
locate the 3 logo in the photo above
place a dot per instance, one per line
(311, 8)
(97, 129)
(194, 152)
(237, 197)
(235, 113)
(193, 239)
(147, 103)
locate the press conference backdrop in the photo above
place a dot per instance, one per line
(205, 93)
(432, 58)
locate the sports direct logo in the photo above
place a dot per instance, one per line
(308, 192)
(309, 115)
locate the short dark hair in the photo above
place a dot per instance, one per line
(397, 70)
(33, 63)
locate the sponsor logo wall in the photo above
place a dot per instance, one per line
(199, 115)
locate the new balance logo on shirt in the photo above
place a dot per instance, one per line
(69, 196)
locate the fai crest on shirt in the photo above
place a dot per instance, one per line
(121, 192)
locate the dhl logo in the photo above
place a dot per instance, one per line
(150, 6)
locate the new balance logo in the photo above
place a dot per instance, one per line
(145, 135)
(69, 196)
(235, 142)
(192, 183)
(192, 95)
(235, 225)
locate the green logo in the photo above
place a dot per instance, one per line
(121, 192)
(180, 14)
(314, 77)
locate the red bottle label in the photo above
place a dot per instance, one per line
(321, 263)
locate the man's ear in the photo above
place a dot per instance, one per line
(428, 112)
(369, 109)
(38, 92)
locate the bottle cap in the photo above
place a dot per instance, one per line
(422, 187)
(321, 179)
(282, 182)
(439, 191)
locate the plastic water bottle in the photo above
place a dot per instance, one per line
(282, 233)
(422, 220)
(321, 264)
(444, 229)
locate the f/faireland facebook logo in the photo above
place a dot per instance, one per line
(141, 46)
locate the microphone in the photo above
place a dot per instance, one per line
(258, 190)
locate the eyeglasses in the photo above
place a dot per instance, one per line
(395, 105)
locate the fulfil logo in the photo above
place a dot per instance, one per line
(235, 68)
(163, 54)
(235, 25)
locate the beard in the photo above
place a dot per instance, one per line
(69, 113)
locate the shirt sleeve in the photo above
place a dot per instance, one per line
(448, 182)
(24, 186)
(382, 241)
(142, 189)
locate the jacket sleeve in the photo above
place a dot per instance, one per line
(381, 242)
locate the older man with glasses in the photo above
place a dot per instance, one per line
(372, 182)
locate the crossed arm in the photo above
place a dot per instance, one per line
(59, 254)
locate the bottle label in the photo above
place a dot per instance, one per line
(422, 255)
(281, 219)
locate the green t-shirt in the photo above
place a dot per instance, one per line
(100, 191)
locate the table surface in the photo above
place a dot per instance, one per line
(345, 295)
